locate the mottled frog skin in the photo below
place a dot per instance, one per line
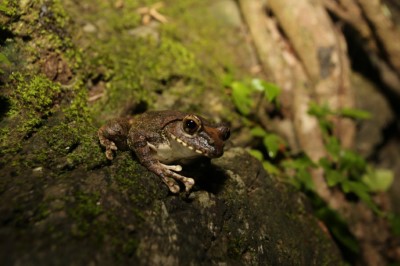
(159, 138)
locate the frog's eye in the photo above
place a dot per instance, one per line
(191, 124)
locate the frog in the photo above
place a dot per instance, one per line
(164, 140)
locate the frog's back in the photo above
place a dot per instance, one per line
(156, 120)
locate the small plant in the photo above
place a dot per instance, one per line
(343, 168)
(244, 94)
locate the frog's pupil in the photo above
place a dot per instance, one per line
(190, 124)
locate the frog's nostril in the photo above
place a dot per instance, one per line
(225, 133)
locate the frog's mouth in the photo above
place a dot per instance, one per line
(184, 144)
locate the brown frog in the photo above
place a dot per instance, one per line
(160, 138)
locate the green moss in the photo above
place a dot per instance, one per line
(77, 110)
(136, 180)
(176, 60)
(236, 247)
(208, 38)
(42, 212)
(135, 63)
(94, 219)
(88, 153)
(130, 246)
(32, 99)
(62, 138)
(142, 69)
(47, 22)
(84, 211)
(8, 8)
(33, 95)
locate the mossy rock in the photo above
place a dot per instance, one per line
(63, 202)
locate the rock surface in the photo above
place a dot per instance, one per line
(121, 213)
(63, 203)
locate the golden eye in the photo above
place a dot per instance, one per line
(191, 124)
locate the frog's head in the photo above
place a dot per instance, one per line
(198, 136)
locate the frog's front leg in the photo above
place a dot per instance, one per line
(113, 136)
(187, 181)
(145, 152)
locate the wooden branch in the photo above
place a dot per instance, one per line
(387, 32)
(287, 71)
(349, 11)
(323, 54)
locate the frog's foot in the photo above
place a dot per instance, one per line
(109, 145)
(168, 177)
(187, 181)
(172, 185)
(109, 150)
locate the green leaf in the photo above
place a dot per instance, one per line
(256, 154)
(257, 85)
(227, 80)
(339, 228)
(378, 180)
(271, 90)
(322, 113)
(345, 239)
(241, 95)
(258, 132)
(319, 111)
(306, 180)
(270, 168)
(325, 163)
(272, 142)
(354, 187)
(394, 220)
(353, 163)
(333, 147)
(355, 113)
(302, 177)
(362, 192)
(302, 162)
(334, 177)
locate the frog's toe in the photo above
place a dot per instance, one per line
(172, 185)
(112, 146)
(109, 154)
(189, 183)
(176, 168)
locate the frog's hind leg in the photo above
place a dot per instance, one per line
(113, 136)
(108, 144)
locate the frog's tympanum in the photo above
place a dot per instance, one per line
(160, 138)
